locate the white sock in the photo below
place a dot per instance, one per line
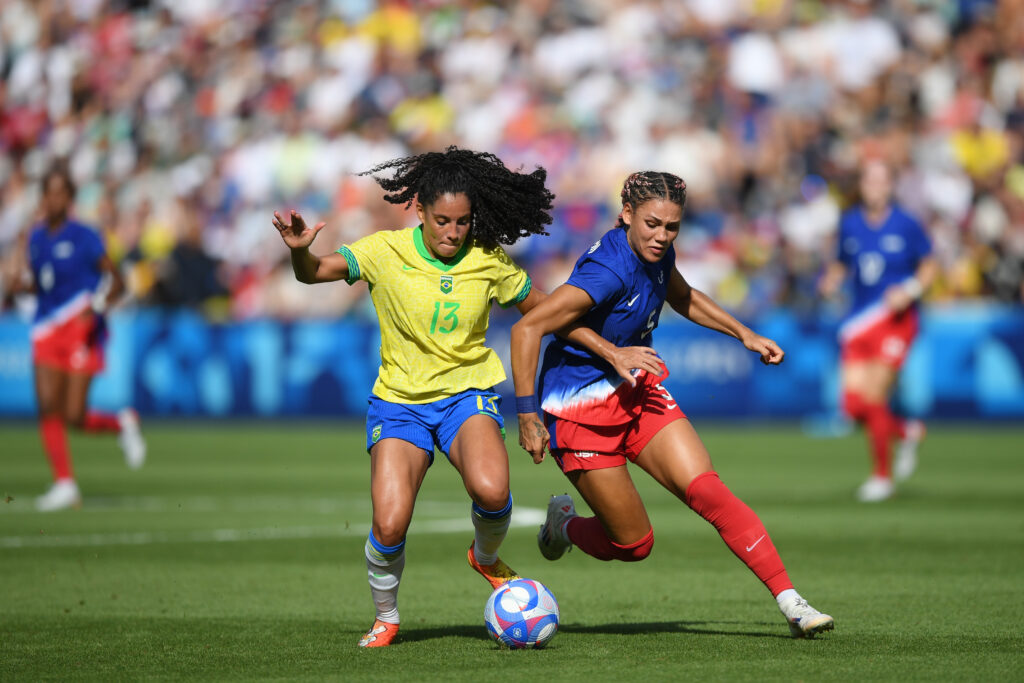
(384, 573)
(491, 528)
(786, 595)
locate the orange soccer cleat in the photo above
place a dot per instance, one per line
(380, 635)
(497, 574)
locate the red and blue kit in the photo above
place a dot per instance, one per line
(594, 417)
(66, 266)
(879, 256)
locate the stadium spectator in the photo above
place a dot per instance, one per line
(432, 287)
(154, 101)
(75, 283)
(888, 256)
(595, 421)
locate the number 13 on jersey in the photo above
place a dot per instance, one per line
(449, 321)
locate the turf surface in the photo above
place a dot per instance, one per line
(236, 553)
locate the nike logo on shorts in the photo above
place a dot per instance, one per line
(629, 304)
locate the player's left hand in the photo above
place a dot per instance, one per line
(626, 359)
(533, 436)
(770, 352)
(897, 299)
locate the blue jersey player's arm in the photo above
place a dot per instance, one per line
(698, 307)
(307, 267)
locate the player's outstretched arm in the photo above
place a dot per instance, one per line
(697, 306)
(309, 268)
(624, 359)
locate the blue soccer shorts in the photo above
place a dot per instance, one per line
(426, 425)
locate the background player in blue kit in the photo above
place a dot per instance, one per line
(75, 282)
(887, 253)
(595, 421)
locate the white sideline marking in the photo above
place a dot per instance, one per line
(521, 517)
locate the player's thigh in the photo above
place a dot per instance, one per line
(51, 385)
(675, 456)
(478, 453)
(76, 398)
(397, 469)
(613, 497)
(870, 379)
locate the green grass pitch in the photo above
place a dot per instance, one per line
(236, 553)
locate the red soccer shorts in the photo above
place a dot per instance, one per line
(577, 446)
(887, 340)
(72, 346)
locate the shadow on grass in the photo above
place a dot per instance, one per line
(478, 632)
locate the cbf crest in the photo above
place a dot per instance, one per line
(376, 433)
(446, 284)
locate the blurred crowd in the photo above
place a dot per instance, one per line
(187, 122)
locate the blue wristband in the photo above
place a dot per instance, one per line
(526, 404)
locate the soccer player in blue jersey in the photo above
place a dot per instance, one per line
(888, 254)
(432, 287)
(75, 282)
(596, 421)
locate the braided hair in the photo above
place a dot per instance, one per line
(644, 185)
(506, 204)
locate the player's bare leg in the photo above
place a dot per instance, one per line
(397, 469)
(478, 453)
(678, 460)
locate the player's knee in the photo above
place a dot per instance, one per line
(634, 552)
(75, 418)
(389, 532)
(491, 497)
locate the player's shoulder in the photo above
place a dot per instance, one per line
(904, 217)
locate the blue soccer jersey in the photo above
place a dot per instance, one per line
(628, 295)
(879, 256)
(66, 268)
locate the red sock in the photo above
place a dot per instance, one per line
(587, 534)
(101, 422)
(740, 528)
(854, 405)
(55, 443)
(880, 425)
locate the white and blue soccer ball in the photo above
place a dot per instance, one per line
(522, 613)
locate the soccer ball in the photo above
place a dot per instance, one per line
(522, 613)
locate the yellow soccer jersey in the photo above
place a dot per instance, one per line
(433, 315)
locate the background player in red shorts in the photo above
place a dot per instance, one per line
(888, 254)
(75, 282)
(597, 419)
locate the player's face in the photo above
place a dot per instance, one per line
(876, 185)
(56, 199)
(446, 224)
(653, 226)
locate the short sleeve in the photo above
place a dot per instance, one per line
(918, 239)
(512, 284)
(597, 280)
(361, 258)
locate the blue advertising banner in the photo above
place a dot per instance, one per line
(967, 363)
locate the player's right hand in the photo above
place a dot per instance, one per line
(533, 436)
(626, 359)
(295, 234)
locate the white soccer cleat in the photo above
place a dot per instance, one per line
(551, 539)
(62, 495)
(906, 452)
(875, 489)
(130, 438)
(804, 620)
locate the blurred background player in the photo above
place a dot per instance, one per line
(432, 286)
(596, 422)
(888, 254)
(75, 283)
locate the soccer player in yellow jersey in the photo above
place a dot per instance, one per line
(432, 286)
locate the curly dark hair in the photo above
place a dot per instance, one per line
(644, 185)
(506, 204)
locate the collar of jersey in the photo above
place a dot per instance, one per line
(417, 238)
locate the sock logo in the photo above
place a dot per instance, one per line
(751, 547)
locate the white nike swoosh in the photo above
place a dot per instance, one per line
(629, 304)
(670, 406)
(751, 547)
